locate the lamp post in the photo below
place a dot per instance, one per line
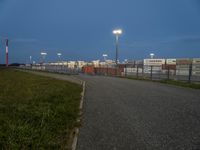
(43, 54)
(152, 55)
(59, 55)
(59, 60)
(104, 57)
(117, 33)
(6, 52)
(30, 60)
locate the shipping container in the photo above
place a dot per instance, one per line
(171, 61)
(88, 70)
(196, 61)
(170, 67)
(184, 61)
(154, 62)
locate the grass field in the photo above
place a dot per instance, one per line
(36, 112)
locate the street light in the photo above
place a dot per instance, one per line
(104, 56)
(59, 55)
(152, 55)
(126, 60)
(61, 62)
(43, 54)
(117, 33)
(30, 59)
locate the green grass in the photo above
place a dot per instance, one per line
(36, 112)
(183, 84)
(172, 82)
(135, 78)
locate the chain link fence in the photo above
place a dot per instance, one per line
(53, 68)
(189, 73)
(186, 72)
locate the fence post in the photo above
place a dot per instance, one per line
(168, 72)
(125, 71)
(151, 72)
(137, 72)
(190, 73)
(116, 70)
(143, 71)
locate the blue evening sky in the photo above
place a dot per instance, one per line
(82, 29)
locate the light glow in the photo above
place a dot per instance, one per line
(59, 54)
(152, 55)
(105, 55)
(117, 31)
(43, 53)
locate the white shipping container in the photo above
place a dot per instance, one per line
(196, 73)
(182, 72)
(155, 69)
(154, 62)
(196, 61)
(182, 66)
(132, 70)
(171, 61)
(196, 67)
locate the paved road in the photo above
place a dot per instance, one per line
(122, 114)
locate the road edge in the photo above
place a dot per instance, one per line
(76, 132)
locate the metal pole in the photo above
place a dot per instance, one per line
(151, 72)
(142, 71)
(168, 71)
(117, 49)
(30, 60)
(190, 73)
(107, 69)
(125, 70)
(6, 52)
(59, 61)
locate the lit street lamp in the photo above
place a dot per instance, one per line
(43, 54)
(125, 61)
(104, 56)
(152, 55)
(117, 33)
(59, 55)
(30, 59)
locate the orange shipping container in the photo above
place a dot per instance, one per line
(88, 69)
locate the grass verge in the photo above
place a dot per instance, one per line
(179, 83)
(172, 82)
(36, 112)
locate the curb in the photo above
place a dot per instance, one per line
(76, 132)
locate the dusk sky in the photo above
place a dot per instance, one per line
(82, 29)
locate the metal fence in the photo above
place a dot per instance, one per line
(53, 68)
(189, 73)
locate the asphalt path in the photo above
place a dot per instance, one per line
(123, 114)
